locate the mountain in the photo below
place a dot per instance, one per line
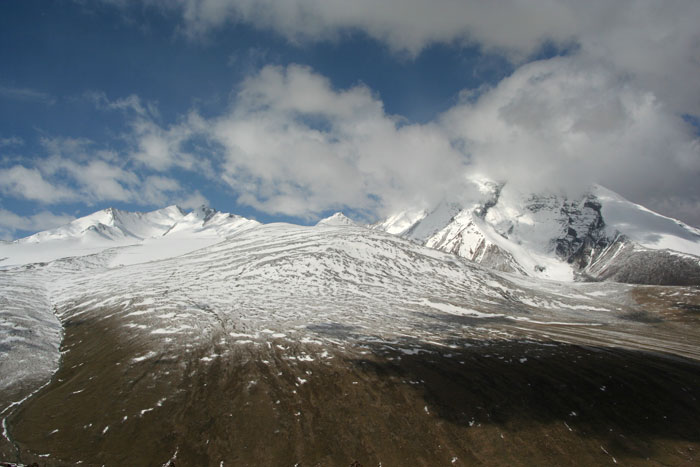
(150, 235)
(112, 225)
(599, 236)
(332, 344)
(335, 220)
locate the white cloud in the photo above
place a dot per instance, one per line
(10, 222)
(58, 146)
(157, 190)
(162, 149)
(610, 112)
(561, 125)
(295, 146)
(405, 25)
(192, 200)
(92, 173)
(656, 42)
(75, 170)
(28, 183)
(154, 146)
(98, 180)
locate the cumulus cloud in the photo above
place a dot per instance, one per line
(556, 123)
(29, 183)
(95, 179)
(163, 148)
(406, 25)
(561, 125)
(290, 144)
(152, 145)
(192, 200)
(294, 145)
(610, 112)
(74, 170)
(156, 189)
(94, 173)
(657, 42)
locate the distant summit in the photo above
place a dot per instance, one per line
(337, 219)
(166, 231)
(204, 213)
(599, 236)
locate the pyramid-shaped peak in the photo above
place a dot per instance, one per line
(336, 219)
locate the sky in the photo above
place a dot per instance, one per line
(290, 110)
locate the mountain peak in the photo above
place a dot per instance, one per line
(174, 208)
(336, 219)
(555, 236)
(162, 232)
(110, 213)
(203, 213)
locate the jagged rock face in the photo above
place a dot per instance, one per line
(452, 229)
(579, 231)
(469, 243)
(584, 232)
(497, 258)
(553, 237)
(204, 213)
(598, 255)
(624, 261)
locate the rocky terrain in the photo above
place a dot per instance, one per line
(554, 237)
(280, 345)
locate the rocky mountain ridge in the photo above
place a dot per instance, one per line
(553, 237)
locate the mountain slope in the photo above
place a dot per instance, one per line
(152, 235)
(285, 344)
(112, 224)
(279, 279)
(552, 237)
(626, 261)
(335, 220)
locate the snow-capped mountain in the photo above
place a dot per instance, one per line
(335, 220)
(112, 225)
(598, 236)
(151, 235)
(200, 343)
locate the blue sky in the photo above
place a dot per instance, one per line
(291, 110)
